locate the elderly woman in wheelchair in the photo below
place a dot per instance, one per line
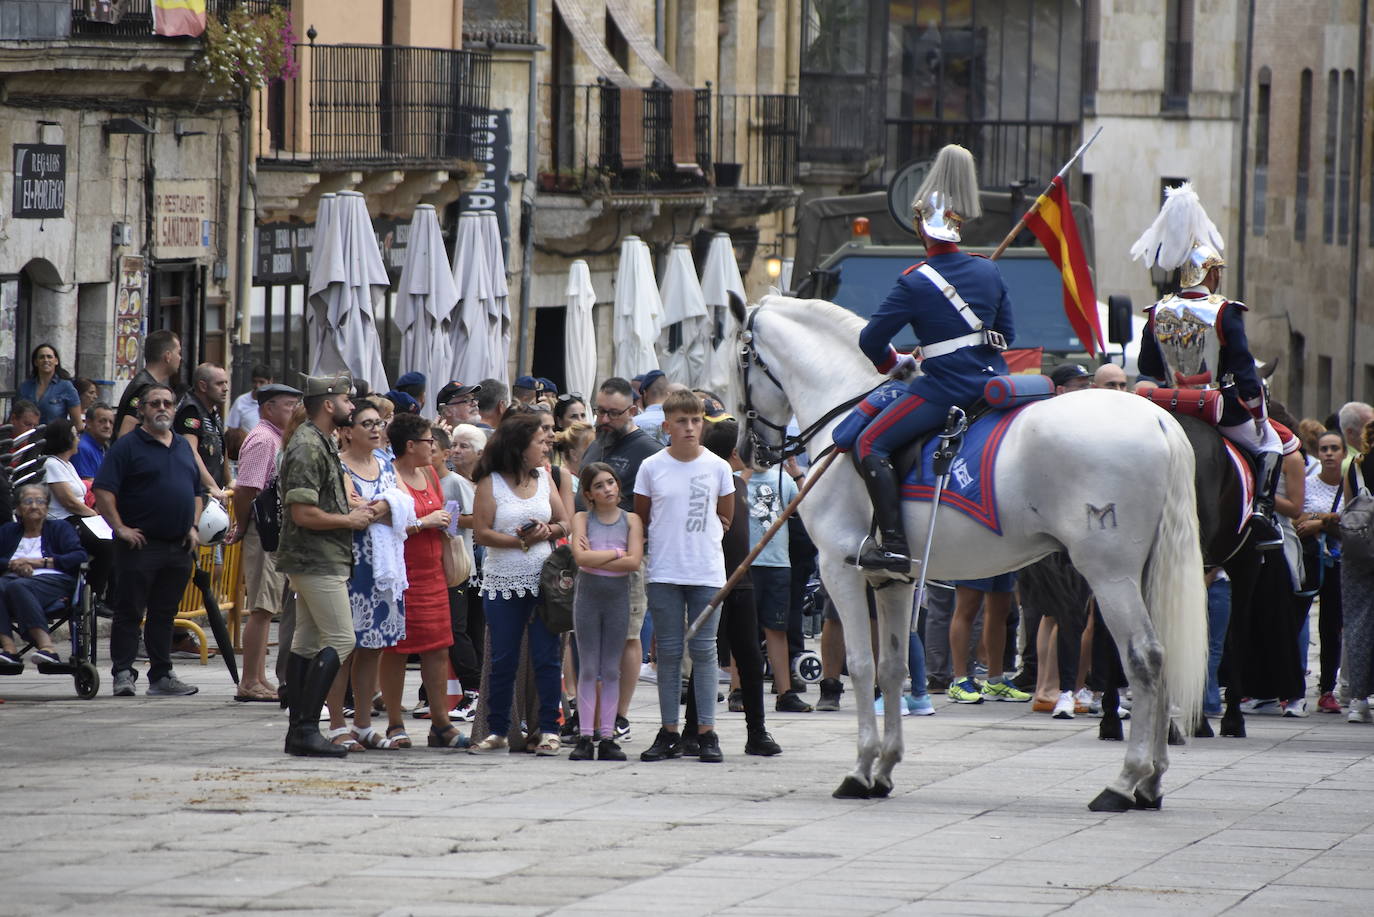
(40, 559)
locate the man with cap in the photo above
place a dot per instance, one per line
(1195, 338)
(265, 586)
(316, 554)
(524, 389)
(958, 306)
(1070, 377)
(457, 403)
(413, 384)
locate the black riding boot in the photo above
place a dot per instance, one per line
(883, 490)
(307, 683)
(1264, 529)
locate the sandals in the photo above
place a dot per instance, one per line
(398, 738)
(548, 746)
(372, 739)
(452, 737)
(258, 694)
(349, 741)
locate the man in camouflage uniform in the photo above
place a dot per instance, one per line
(316, 554)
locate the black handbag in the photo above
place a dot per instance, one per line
(557, 581)
(267, 512)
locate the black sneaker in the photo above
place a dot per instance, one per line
(666, 745)
(622, 729)
(789, 702)
(737, 701)
(570, 729)
(709, 744)
(1024, 680)
(762, 744)
(831, 689)
(939, 684)
(689, 745)
(584, 750)
(608, 750)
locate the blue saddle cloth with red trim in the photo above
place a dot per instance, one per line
(972, 486)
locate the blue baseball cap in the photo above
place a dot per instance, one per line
(411, 378)
(526, 382)
(404, 403)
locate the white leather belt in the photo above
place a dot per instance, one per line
(985, 338)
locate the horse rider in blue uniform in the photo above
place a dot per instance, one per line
(958, 306)
(1195, 338)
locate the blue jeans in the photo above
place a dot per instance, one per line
(916, 658)
(506, 623)
(25, 599)
(1218, 618)
(671, 605)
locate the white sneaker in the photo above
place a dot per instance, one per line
(1295, 708)
(1268, 706)
(724, 677)
(648, 674)
(1359, 712)
(1085, 699)
(1063, 708)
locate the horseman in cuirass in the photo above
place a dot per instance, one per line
(1195, 338)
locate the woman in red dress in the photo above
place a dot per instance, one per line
(428, 630)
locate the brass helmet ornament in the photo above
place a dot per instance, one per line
(1182, 238)
(948, 196)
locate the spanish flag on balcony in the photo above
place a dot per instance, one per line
(179, 17)
(1052, 223)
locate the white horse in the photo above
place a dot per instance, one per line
(1105, 476)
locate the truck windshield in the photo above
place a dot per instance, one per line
(1033, 284)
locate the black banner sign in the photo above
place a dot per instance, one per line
(491, 150)
(40, 181)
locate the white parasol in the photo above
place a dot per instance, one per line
(579, 333)
(684, 344)
(719, 277)
(347, 281)
(472, 277)
(424, 304)
(316, 320)
(638, 310)
(498, 310)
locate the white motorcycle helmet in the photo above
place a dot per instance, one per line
(214, 523)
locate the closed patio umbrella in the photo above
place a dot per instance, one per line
(316, 317)
(579, 333)
(498, 310)
(684, 344)
(472, 278)
(719, 277)
(424, 304)
(347, 282)
(638, 310)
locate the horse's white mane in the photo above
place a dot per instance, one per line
(814, 312)
(833, 347)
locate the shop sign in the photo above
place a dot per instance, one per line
(40, 181)
(491, 150)
(283, 252)
(183, 225)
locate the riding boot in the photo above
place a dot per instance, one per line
(883, 491)
(308, 682)
(1264, 527)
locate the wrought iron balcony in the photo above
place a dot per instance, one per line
(602, 137)
(757, 139)
(841, 118)
(1007, 151)
(133, 19)
(374, 105)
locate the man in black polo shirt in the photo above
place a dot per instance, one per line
(198, 420)
(161, 361)
(149, 491)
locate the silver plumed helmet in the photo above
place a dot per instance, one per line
(1182, 237)
(949, 195)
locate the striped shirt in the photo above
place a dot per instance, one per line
(258, 455)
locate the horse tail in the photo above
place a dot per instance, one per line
(1175, 592)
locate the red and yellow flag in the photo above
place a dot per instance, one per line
(1052, 223)
(178, 17)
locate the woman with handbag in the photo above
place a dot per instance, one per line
(1319, 529)
(516, 516)
(1357, 579)
(428, 632)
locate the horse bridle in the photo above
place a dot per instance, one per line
(791, 444)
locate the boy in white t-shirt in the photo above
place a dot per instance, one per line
(685, 495)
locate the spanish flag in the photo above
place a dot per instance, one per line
(178, 17)
(1052, 223)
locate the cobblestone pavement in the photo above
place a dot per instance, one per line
(156, 806)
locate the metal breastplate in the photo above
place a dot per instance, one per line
(1186, 330)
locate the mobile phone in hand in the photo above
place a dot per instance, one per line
(527, 527)
(452, 507)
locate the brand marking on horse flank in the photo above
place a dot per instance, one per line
(1100, 515)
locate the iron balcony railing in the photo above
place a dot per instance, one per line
(134, 18)
(595, 142)
(841, 118)
(374, 105)
(1007, 151)
(756, 139)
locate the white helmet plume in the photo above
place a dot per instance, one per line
(1182, 223)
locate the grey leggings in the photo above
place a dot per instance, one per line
(601, 617)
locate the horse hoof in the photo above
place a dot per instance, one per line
(1233, 729)
(1203, 729)
(1147, 802)
(1175, 734)
(852, 788)
(882, 788)
(1109, 732)
(1109, 800)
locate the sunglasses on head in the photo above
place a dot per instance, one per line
(571, 396)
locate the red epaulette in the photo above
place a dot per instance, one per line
(975, 254)
(914, 267)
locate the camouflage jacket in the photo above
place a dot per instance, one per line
(312, 474)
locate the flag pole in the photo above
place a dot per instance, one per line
(1035, 205)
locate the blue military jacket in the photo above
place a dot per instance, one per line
(915, 301)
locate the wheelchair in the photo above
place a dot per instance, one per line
(77, 613)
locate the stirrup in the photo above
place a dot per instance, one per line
(873, 556)
(1266, 535)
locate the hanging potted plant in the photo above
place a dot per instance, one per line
(246, 51)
